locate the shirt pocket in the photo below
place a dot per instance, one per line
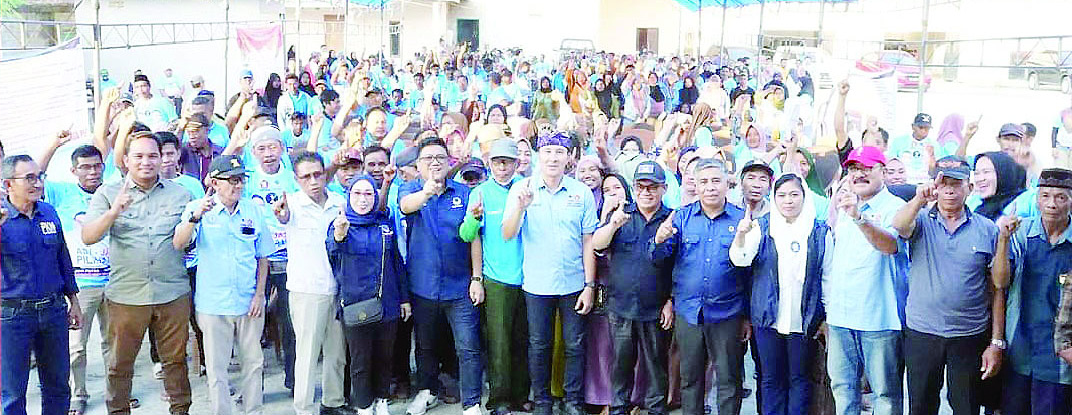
(690, 244)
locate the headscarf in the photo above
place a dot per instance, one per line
(689, 95)
(604, 98)
(593, 160)
(625, 186)
(951, 128)
(271, 92)
(1012, 179)
(792, 263)
(702, 114)
(375, 216)
(813, 180)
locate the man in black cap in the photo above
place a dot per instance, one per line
(232, 274)
(153, 111)
(638, 291)
(950, 324)
(1032, 254)
(918, 151)
(756, 179)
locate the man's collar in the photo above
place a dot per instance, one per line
(1035, 228)
(15, 212)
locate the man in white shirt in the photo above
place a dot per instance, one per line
(312, 287)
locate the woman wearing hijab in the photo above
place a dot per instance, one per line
(272, 91)
(305, 84)
(1000, 187)
(606, 99)
(364, 257)
(787, 252)
(658, 97)
(752, 147)
(801, 162)
(688, 96)
(543, 102)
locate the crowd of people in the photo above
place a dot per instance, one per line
(592, 233)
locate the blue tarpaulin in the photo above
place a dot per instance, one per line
(694, 5)
(371, 3)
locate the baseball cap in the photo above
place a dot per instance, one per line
(263, 112)
(247, 73)
(263, 133)
(126, 96)
(320, 81)
(406, 157)
(952, 167)
(922, 120)
(649, 170)
(225, 167)
(868, 156)
(475, 166)
(503, 148)
(197, 80)
(757, 165)
(1008, 129)
(352, 155)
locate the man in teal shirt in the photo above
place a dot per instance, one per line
(918, 150)
(505, 314)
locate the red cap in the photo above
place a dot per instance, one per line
(868, 156)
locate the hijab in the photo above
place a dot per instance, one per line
(625, 187)
(689, 94)
(702, 115)
(791, 239)
(951, 128)
(374, 217)
(271, 92)
(813, 181)
(604, 98)
(1012, 179)
(593, 160)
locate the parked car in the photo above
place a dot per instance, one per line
(904, 65)
(819, 62)
(1043, 68)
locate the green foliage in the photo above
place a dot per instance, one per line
(9, 9)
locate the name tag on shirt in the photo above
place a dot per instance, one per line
(48, 228)
(574, 201)
(456, 202)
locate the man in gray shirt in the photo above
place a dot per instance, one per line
(148, 285)
(951, 326)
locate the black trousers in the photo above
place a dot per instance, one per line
(371, 356)
(720, 344)
(628, 337)
(926, 358)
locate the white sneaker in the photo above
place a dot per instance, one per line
(380, 407)
(473, 410)
(421, 403)
(365, 411)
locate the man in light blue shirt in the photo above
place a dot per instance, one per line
(865, 290)
(555, 216)
(918, 150)
(231, 279)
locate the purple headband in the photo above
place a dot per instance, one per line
(557, 138)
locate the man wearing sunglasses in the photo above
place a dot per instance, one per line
(231, 277)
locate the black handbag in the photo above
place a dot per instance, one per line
(368, 311)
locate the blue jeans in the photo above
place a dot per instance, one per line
(541, 313)
(851, 354)
(784, 382)
(464, 320)
(42, 331)
(1025, 395)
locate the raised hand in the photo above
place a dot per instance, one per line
(207, 203)
(843, 87)
(477, 209)
(110, 95)
(62, 138)
(849, 203)
(619, 217)
(745, 224)
(123, 199)
(280, 206)
(433, 187)
(1007, 225)
(342, 225)
(927, 192)
(389, 173)
(666, 230)
(525, 196)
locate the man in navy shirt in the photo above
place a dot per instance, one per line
(37, 275)
(444, 281)
(709, 294)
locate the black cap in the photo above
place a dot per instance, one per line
(922, 119)
(474, 166)
(953, 167)
(757, 165)
(225, 167)
(650, 170)
(140, 78)
(1056, 177)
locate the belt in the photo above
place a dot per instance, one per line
(277, 267)
(35, 303)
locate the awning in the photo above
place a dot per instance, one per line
(694, 5)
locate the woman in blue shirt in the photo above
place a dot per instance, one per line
(366, 263)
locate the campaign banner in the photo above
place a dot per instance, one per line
(261, 49)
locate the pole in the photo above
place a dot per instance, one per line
(381, 29)
(97, 50)
(922, 57)
(297, 43)
(346, 28)
(226, 47)
(699, 29)
(822, 14)
(722, 36)
(759, 46)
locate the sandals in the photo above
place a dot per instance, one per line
(78, 408)
(135, 403)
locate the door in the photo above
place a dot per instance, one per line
(469, 31)
(394, 31)
(647, 40)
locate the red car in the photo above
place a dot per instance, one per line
(904, 65)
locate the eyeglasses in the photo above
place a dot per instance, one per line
(31, 178)
(234, 181)
(319, 174)
(90, 167)
(438, 158)
(649, 189)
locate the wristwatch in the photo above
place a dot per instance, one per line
(193, 219)
(591, 284)
(1000, 344)
(476, 279)
(860, 220)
